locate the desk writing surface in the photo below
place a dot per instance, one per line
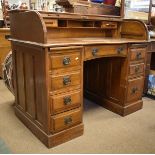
(80, 41)
(90, 41)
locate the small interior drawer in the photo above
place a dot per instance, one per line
(109, 25)
(65, 101)
(103, 50)
(64, 59)
(51, 22)
(136, 69)
(137, 54)
(135, 89)
(66, 80)
(65, 120)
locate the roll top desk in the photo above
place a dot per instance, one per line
(60, 57)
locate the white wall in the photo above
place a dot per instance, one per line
(1, 15)
(18, 2)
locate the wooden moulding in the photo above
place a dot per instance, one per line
(118, 109)
(50, 140)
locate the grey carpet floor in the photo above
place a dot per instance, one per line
(3, 148)
(105, 132)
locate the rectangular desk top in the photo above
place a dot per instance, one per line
(81, 41)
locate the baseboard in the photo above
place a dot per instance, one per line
(114, 107)
(50, 140)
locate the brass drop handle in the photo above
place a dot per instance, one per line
(134, 90)
(119, 50)
(94, 51)
(68, 120)
(66, 80)
(139, 55)
(110, 25)
(67, 100)
(66, 61)
(7, 36)
(137, 68)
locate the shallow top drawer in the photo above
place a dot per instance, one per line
(137, 54)
(64, 58)
(105, 50)
(109, 25)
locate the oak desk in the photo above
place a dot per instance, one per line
(59, 57)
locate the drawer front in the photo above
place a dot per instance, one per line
(66, 80)
(109, 25)
(3, 40)
(51, 22)
(137, 54)
(63, 60)
(97, 51)
(135, 89)
(64, 102)
(65, 120)
(136, 69)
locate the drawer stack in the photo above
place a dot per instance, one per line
(65, 88)
(136, 74)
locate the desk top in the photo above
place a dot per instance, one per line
(91, 41)
(4, 29)
(82, 41)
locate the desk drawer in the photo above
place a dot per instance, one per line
(65, 120)
(65, 80)
(63, 60)
(109, 25)
(97, 51)
(135, 89)
(64, 102)
(136, 69)
(137, 54)
(51, 22)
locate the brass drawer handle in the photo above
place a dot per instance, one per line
(120, 50)
(66, 60)
(68, 120)
(67, 100)
(139, 55)
(94, 51)
(110, 25)
(66, 80)
(134, 90)
(137, 69)
(7, 37)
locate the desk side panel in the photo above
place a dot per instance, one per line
(134, 29)
(28, 26)
(29, 69)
